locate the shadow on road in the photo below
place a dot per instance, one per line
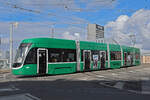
(62, 89)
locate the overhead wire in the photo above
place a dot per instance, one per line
(38, 12)
(49, 14)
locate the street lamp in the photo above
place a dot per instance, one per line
(13, 24)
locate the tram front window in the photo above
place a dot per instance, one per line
(21, 53)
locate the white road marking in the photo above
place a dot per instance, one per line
(83, 78)
(119, 85)
(100, 76)
(25, 96)
(122, 72)
(145, 92)
(145, 88)
(131, 71)
(145, 78)
(6, 89)
(9, 88)
(114, 74)
(33, 97)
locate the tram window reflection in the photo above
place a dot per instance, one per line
(31, 57)
(62, 55)
(55, 57)
(115, 55)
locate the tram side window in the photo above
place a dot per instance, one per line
(54, 55)
(137, 56)
(115, 55)
(31, 57)
(61, 55)
(69, 55)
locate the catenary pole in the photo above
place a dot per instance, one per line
(11, 42)
(11, 46)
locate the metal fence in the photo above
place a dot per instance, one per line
(4, 64)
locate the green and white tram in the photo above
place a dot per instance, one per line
(58, 56)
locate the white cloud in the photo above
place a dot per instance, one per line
(67, 35)
(138, 24)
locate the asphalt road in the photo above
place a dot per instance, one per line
(125, 84)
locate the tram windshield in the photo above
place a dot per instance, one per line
(21, 53)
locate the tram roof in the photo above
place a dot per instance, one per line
(64, 43)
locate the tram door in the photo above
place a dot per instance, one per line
(87, 60)
(102, 59)
(125, 58)
(42, 61)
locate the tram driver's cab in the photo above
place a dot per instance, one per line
(21, 54)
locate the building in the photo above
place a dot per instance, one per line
(145, 58)
(95, 33)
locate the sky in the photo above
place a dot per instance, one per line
(36, 18)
